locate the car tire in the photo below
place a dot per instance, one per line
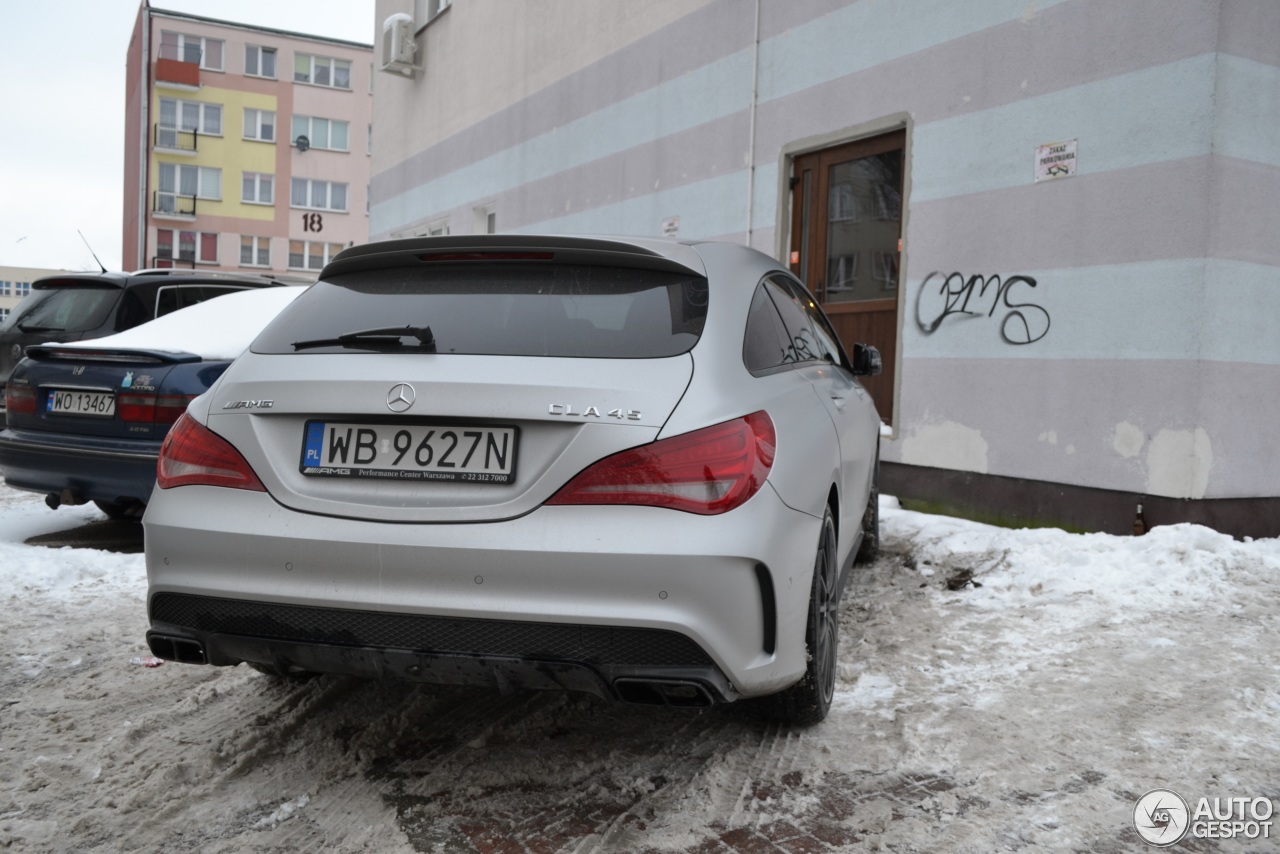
(869, 548)
(808, 701)
(115, 511)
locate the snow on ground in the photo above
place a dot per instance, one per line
(1025, 714)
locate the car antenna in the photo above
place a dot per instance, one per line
(90, 248)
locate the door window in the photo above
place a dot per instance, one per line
(864, 209)
(845, 246)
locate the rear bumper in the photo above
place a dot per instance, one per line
(93, 469)
(622, 602)
(637, 665)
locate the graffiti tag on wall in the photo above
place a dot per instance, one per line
(944, 295)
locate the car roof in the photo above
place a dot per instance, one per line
(160, 276)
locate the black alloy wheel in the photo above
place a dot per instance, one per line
(808, 701)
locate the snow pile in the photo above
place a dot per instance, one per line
(1083, 577)
(60, 575)
(216, 329)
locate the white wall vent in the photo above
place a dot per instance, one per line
(398, 46)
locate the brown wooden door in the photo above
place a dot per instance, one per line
(846, 238)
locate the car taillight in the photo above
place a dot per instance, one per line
(152, 408)
(20, 399)
(708, 471)
(193, 455)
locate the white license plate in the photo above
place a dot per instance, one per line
(68, 401)
(450, 452)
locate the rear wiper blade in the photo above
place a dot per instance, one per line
(388, 336)
(24, 327)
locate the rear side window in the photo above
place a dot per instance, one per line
(133, 311)
(766, 343)
(64, 308)
(803, 345)
(173, 297)
(509, 309)
(827, 344)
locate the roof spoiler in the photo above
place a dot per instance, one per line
(66, 353)
(637, 252)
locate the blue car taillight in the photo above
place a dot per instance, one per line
(152, 408)
(20, 399)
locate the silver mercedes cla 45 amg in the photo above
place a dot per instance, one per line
(637, 468)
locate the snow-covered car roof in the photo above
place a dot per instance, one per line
(216, 329)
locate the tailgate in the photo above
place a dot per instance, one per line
(368, 437)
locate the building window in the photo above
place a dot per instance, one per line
(257, 189)
(321, 71)
(260, 125)
(202, 182)
(255, 251)
(205, 52)
(181, 120)
(424, 11)
(320, 195)
(484, 220)
(311, 254)
(329, 134)
(4, 315)
(260, 61)
(199, 246)
(17, 289)
(181, 185)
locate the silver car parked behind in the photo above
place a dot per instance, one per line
(638, 468)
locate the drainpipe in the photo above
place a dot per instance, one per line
(751, 139)
(145, 112)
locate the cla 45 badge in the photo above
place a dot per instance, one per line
(567, 409)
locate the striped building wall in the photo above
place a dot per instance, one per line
(1156, 305)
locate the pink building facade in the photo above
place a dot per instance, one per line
(246, 148)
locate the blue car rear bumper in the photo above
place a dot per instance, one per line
(92, 469)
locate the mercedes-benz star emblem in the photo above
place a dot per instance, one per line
(400, 398)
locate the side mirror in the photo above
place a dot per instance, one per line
(866, 360)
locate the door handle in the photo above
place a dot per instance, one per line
(838, 401)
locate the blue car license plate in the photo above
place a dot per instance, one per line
(69, 401)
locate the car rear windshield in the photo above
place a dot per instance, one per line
(502, 310)
(64, 308)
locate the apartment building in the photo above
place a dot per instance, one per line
(246, 148)
(1056, 219)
